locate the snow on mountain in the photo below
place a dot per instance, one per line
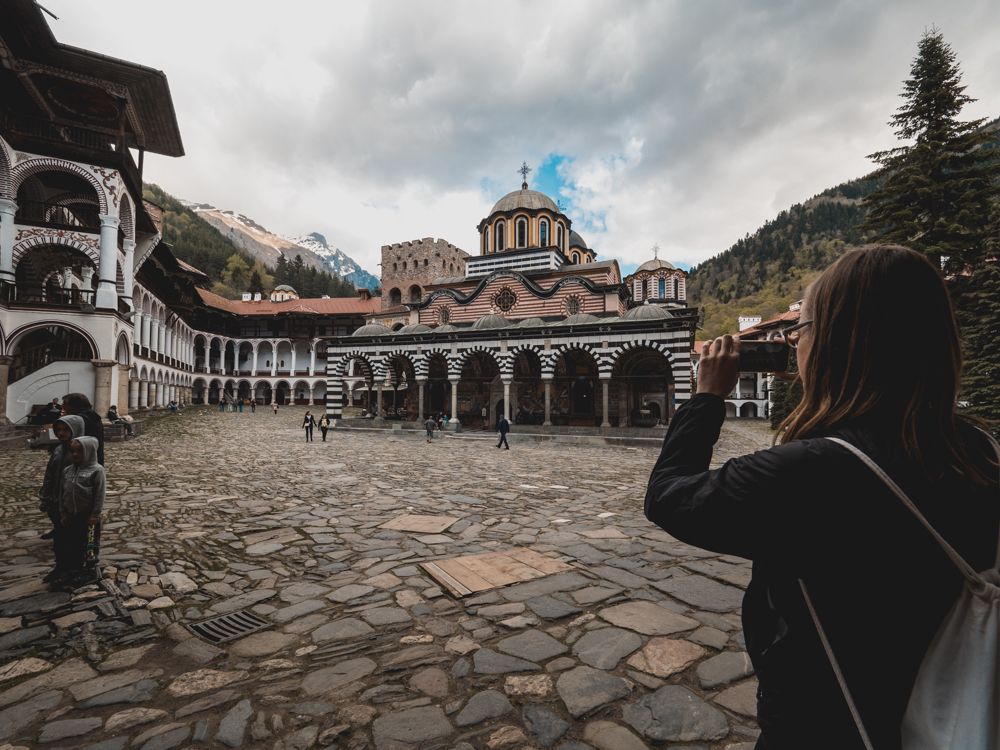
(260, 243)
(334, 259)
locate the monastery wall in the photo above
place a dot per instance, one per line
(417, 263)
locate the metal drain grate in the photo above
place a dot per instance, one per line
(227, 627)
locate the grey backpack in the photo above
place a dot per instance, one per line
(955, 702)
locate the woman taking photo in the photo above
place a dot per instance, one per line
(879, 361)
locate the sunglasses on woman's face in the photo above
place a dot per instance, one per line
(792, 335)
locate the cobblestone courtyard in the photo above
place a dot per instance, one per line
(638, 644)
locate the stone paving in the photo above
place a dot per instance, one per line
(639, 644)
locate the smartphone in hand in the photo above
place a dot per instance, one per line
(764, 356)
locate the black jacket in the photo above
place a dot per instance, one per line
(94, 428)
(880, 583)
(503, 426)
(308, 421)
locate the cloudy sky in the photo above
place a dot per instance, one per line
(686, 124)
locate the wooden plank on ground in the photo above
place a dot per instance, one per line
(538, 561)
(420, 524)
(449, 582)
(517, 569)
(463, 575)
(473, 573)
(485, 569)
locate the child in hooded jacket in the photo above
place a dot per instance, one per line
(65, 428)
(81, 504)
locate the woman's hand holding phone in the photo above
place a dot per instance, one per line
(719, 366)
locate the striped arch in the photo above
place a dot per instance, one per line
(456, 365)
(422, 362)
(387, 371)
(126, 215)
(549, 362)
(335, 374)
(25, 245)
(5, 173)
(680, 365)
(27, 168)
(512, 357)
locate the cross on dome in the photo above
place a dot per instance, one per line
(524, 171)
(656, 250)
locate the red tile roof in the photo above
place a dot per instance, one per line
(321, 306)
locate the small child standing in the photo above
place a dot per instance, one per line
(65, 428)
(80, 506)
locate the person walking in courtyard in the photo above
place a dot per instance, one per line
(308, 422)
(874, 383)
(503, 427)
(429, 425)
(241, 405)
(66, 429)
(274, 405)
(324, 425)
(253, 406)
(83, 490)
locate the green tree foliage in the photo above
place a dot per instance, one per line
(977, 295)
(785, 396)
(763, 273)
(937, 191)
(255, 286)
(237, 272)
(281, 270)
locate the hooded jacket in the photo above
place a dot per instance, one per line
(51, 489)
(83, 484)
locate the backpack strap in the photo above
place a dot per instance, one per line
(836, 669)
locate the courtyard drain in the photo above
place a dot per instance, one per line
(226, 627)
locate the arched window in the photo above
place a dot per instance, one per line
(543, 233)
(663, 286)
(643, 294)
(500, 243)
(395, 297)
(444, 265)
(444, 315)
(677, 288)
(576, 257)
(559, 236)
(451, 267)
(394, 267)
(522, 232)
(404, 265)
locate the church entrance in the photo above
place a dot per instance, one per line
(498, 412)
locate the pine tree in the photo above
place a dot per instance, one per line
(281, 270)
(937, 191)
(296, 272)
(978, 309)
(255, 285)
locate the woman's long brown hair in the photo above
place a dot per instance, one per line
(884, 344)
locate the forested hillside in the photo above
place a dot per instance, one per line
(231, 269)
(763, 273)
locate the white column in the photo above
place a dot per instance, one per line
(548, 402)
(454, 401)
(151, 399)
(293, 358)
(107, 293)
(605, 382)
(7, 210)
(154, 335)
(133, 394)
(162, 331)
(312, 361)
(168, 341)
(128, 272)
(144, 335)
(506, 400)
(253, 371)
(274, 359)
(312, 400)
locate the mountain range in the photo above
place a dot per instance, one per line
(256, 240)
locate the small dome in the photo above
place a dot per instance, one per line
(524, 198)
(372, 329)
(647, 311)
(446, 328)
(284, 288)
(576, 240)
(580, 319)
(490, 321)
(414, 328)
(655, 265)
(531, 323)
